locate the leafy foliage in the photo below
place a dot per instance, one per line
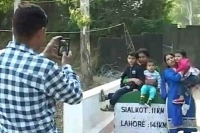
(78, 17)
(138, 15)
(76, 13)
(185, 12)
(5, 5)
(65, 15)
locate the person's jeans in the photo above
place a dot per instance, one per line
(187, 83)
(114, 97)
(149, 89)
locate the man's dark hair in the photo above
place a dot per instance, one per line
(143, 51)
(182, 52)
(151, 61)
(27, 20)
(133, 54)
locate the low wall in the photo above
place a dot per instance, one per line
(196, 96)
(87, 117)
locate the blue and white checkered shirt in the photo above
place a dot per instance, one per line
(29, 86)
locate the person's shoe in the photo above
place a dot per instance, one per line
(109, 108)
(126, 87)
(148, 104)
(142, 100)
(179, 101)
(102, 96)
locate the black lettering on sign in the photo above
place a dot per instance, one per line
(158, 110)
(132, 123)
(158, 124)
(133, 110)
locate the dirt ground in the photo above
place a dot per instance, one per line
(59, 107)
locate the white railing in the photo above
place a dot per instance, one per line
(87, 117)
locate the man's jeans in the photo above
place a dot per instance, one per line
(114, 97)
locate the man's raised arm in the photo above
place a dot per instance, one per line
(63, 85)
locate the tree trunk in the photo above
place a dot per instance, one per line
(87, 77)
(189, 11)
(16, 4)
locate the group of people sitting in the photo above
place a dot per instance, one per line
(173, 83)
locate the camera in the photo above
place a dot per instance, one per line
(64, 44)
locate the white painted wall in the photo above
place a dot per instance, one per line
(196, 96)
(87, 117)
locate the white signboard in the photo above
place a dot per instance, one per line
(135, 118)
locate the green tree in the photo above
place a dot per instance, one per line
(65, 15)
(186, 12)
(138, 15)
(5, 5)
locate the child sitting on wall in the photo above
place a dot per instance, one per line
(150, 74)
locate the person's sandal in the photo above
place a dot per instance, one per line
(148, 104)
(108, 108)
(142, 100)
(102, 96)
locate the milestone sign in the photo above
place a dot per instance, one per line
(135, 118)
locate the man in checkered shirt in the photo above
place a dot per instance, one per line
(30, 83)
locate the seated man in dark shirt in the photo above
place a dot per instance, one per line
(131, 80)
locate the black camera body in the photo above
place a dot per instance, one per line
(64, 46)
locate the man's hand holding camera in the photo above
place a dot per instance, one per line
(66, 59)
(51, 51)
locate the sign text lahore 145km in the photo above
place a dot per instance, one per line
(132, 117)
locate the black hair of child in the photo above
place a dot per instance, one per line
(133, 54)
(151, 61)
(143, 51)
(182, 52)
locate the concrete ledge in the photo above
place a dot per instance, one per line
(87, 116)
(105, 126)
(105, 87)
(196, 96)
(109, 128)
